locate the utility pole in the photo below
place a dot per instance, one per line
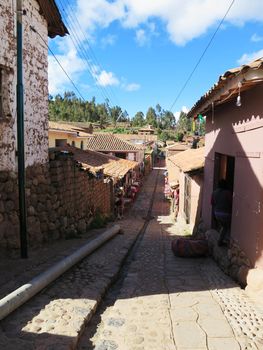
(20, 130)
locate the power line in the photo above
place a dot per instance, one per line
(77, 42)
(72, 82)
(88, 43)
(201, 57)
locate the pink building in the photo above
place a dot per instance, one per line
(234, 150)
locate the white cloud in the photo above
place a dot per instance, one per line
(132, 87)
(107, 79)
(248, 57)
(256, 38)
(183, 109)
(141, 37)
(184, 21)
(108, 40)
(72, 64)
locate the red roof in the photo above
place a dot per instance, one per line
(112, 166)
(109, 143)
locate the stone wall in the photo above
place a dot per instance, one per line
(35, 73)
(61, 201)
(233, 260)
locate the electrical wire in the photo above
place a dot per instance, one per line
(77, 42)
(201, 57)
(55, 57)
(72, 14)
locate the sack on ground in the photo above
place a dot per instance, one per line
(189, 248)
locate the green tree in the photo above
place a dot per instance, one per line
(151, 117)
(138, 119)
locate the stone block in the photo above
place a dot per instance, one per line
(255, 280)
(242, 275)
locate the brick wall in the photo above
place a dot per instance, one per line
(61, 201)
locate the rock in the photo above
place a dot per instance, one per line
(3, 176)
(242, 275)
(255, 280)
(82, 227)
(9, 205)
(31, 210)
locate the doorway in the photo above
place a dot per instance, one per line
(224, 169)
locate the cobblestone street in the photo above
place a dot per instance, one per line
(172, 303)
(153, 299)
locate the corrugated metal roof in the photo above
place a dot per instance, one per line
(224, 79)
(50, 11)
(108, 143)
(112, 166)
(189, 160)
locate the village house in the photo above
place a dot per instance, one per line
(60, 197)
(112, 145)
(233, 151)
(175, 147)
(60, 134)
(148, 130)
(186, 170)
(44, 18)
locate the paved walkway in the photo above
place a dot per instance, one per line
(170, 303)
(164, 302)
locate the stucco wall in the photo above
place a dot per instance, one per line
(35, 85)
(53, 136)
(173, 171)
(195, 197)
(238, 132)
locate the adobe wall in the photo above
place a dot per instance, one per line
(35, 72)
(238, 132)
(61, 200)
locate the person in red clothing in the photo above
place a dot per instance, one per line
(222, 209)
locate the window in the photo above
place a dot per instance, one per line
(60, 142)
(81, 145)
(73, 143)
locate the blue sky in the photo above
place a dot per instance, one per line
(139, 53)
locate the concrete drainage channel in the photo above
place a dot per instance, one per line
(85, 304)
(112, 292)
(21, 295)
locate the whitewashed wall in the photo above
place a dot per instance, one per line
(35, 85)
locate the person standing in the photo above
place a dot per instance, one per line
(222, 209)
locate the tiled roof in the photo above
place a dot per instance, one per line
(189, 160)
(177, 146)
(52, 15)
(112, 166)
(212, 94)
(130, 137)
(108, 142)
(54, 126)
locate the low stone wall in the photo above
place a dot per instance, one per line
(233, 261)
(61, 200)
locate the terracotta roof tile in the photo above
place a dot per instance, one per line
(112, 166)
(189, 160)
(54, 126)
(223, 80)
(109, 142)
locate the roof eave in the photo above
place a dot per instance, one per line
(50, 11)
(227, 91)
